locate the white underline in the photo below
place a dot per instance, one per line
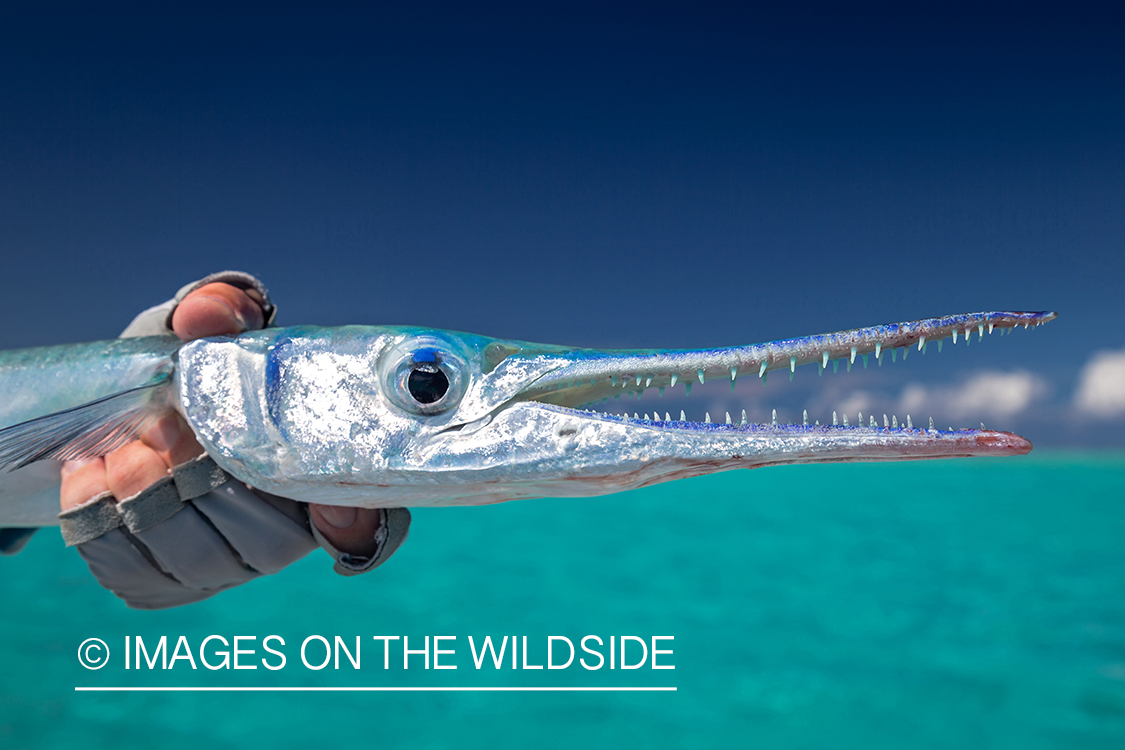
(373, 689)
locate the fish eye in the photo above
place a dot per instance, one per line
(427, 383)
(425, 375)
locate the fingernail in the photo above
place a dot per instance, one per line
(239, 318)
(69, 467)
(337, 516)
(164, 435)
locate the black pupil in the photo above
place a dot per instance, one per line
(427, 383)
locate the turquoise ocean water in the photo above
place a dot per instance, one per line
(941, 604)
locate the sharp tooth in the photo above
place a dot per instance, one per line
(638, 380)
(624, 382)
(886, 422)
(878, 349)
(939, 343)
(931, 423)
(921, 343)
(805, 419)
(818, 423)
(743, 417)
(968, 338)
(954, 335)
(674, 379)
(824, 359)
(909, 424)
(990, 329)
(860, 420)
(699, 374)
(733, 373)
(613, 381)
(894, 355)
(905, 351)
(775, 417)
(707, 417)
(792, 364)
(617, 397)
(648, 381)
(980, 331)
(835, 422)
(845, 420)
(873, 420)
(852, 361)
(728, 417)
(982, 426)
(667, 417)
(687, 389)
(1025, 326)
(865, 361)
(647, 417)
(660, 392)
(635, 415)
(762, 370)
(835, 365)
(894, 422)
(683, 417)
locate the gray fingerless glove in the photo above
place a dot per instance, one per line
(187, 537)
(199, 532)
(157, 321)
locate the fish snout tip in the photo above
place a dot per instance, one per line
(1003, 443)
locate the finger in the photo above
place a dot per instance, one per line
(133, 468)
(350, 530)
(172, 440)
(82, 481)
(216, 310)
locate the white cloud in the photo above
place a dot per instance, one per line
(987, 394)
(855, 402)
(1101, 385)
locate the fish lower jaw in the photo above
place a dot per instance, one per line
(889, 424)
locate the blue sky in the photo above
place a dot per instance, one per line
(665, 176)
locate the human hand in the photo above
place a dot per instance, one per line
(240, 519)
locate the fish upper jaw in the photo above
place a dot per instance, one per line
(593, 376)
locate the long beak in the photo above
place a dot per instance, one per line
(588, 377)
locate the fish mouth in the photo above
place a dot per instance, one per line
(587, 384)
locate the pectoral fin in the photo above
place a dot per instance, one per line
(86, 431)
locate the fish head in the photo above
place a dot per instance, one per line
(356, 415)
(397, 416)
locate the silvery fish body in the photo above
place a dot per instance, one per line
(377, 416)
(51, 379)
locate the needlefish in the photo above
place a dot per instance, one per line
(374, 416)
